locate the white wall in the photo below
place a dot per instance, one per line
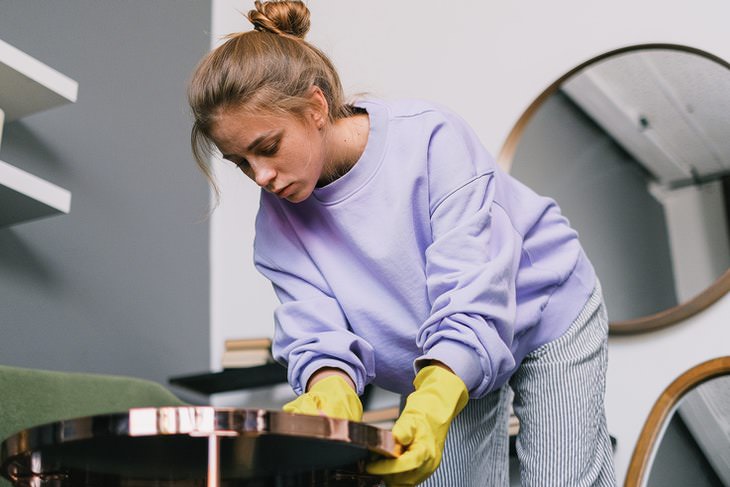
(488, 61)
(242, 301)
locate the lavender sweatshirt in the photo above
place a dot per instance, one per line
(425, 249)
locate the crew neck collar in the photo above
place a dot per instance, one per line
(368, 163)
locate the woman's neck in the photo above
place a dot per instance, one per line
(346, 141)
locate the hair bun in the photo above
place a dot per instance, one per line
(287, 17)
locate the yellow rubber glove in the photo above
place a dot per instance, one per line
(422, 426)
(331, 396)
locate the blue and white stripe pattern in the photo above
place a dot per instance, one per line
(559, 399)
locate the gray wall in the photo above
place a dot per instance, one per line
(602, 191)
(121, 284)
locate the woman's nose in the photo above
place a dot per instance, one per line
(264, 176)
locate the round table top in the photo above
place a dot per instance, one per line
(180, 445)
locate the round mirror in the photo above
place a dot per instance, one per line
(634, 147)
(686, 438)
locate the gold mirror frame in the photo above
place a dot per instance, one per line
(668, 400)
(665, 317)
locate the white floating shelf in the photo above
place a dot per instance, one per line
(25, 197)
(28, 86)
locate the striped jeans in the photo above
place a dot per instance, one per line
(559, 400)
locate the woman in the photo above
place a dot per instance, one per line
(403, 256)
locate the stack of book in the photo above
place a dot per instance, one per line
(246, 352)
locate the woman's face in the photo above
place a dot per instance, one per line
(282, 154)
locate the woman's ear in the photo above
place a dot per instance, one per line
(320, 107)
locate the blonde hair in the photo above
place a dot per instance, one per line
(270, 69)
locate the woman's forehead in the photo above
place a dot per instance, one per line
(238, 129)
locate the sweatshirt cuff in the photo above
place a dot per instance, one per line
(463, 360)
(308, 371)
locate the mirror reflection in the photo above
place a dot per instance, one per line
(635, 150)
(694, 448)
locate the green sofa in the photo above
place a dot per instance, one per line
(30, 397)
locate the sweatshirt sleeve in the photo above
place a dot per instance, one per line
(471, 265)
(311, 330)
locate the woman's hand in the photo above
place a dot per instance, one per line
(329, 394)
(422, 426)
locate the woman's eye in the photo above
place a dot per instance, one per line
(242, 165)
(270, 149)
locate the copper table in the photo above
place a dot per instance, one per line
(195, 446)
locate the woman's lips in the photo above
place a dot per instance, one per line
(283, 192)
